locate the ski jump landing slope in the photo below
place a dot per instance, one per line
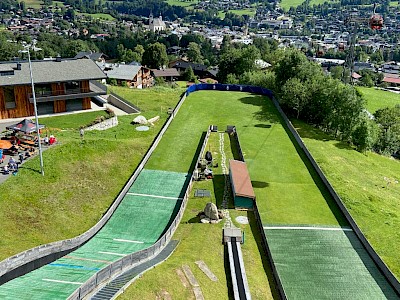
(140, 219)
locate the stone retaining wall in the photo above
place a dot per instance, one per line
(106, 124)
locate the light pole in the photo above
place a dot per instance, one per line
(35, 108)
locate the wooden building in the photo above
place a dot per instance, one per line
(167, 74)
(60, 86)
(134, 76)
(243, 192)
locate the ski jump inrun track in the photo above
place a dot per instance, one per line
(309, 261)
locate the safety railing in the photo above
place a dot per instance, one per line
(38, 256)
(136, 258)
(42, 251)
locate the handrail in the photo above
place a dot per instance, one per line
(136, 258)
(54, 249)
(44, 250)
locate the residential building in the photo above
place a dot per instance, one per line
(134, 76)
(170, 74)
(96, 56)
(60, 86)
(199, 70)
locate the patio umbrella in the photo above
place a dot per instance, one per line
(25, 125)
(4, 144)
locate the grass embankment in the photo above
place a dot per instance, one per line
(365, 182)
(285, 190)
(81, 178)
(203, 242)
(277, 170)
(377, 99)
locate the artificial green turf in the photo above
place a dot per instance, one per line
(136, 224)
(81, 180)
(203, 242)
(324, 264)
(377, 99)
(367, 185)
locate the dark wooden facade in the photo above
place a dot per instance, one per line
(23, 107)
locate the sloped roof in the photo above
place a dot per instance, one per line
(47, 71)
(185, 65)
(120, 71)
(241, 179)
(391, 80)
(165, 72)
(90, 55)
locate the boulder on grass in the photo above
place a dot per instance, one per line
(139, 120)
(211, 211)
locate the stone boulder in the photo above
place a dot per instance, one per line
(211, 211)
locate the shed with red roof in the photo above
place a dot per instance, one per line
(243, 192)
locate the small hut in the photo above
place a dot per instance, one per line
(243, 192)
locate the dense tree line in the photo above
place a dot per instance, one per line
(337, 108)
(8, 4)
(306, 93)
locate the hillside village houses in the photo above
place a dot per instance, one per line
(330, 33)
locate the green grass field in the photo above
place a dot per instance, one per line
(359, 179)
(34, 3)
(81, 178)
(100, 16)
(286, 4)
(87, 181)
(377, 99)
(154, 101)
(258, 124)
(191, 234)
(182, 3)
(282, 181)
(248, 11)
(394, 3)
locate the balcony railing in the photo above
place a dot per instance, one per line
(95, 89)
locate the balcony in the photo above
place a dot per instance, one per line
(95, 89)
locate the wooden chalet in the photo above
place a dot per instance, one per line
(60, 86)
(167, 74)
(199, 70)
(135, 76)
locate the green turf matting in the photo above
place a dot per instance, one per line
(148, 208)
(325, 263)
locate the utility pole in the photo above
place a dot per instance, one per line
(35, 109)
